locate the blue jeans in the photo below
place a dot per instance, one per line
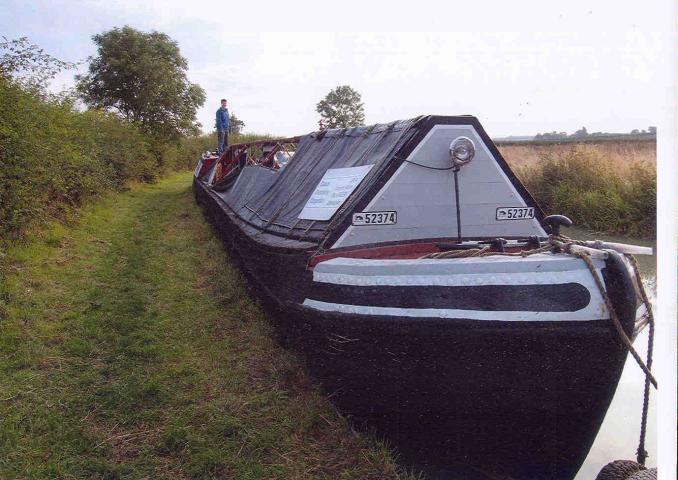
(222, 140)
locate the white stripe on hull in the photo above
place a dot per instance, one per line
(497, 271)
(582, 277)
(584, 314)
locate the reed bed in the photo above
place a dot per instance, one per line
(606, 187)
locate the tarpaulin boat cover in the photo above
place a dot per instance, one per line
(270, 204)
(272, 201)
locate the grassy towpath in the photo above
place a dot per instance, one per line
(129, 349)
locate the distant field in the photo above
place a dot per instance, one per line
(607, 187)
(519, 154)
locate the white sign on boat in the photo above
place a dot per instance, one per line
(332, 191)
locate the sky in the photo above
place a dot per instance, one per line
(520, 67)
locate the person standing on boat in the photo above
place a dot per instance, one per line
(222, 126)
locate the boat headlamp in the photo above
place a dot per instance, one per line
(462, 151)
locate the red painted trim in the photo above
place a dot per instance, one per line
(206, 164)
(407, 250)
(230, 157)
(400, 251)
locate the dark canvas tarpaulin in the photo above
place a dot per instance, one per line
(268, 203)
(272, 200)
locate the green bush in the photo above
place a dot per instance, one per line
(117, 145)
(185, 153)
(598, 193)
(54, 157)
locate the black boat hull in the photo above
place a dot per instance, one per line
(522, 399)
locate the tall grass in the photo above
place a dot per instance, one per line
(618, 151)
(604, 193)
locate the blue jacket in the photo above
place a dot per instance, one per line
(222, 119)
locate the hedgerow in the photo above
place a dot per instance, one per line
(54, 157)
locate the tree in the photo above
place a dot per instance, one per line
(28, 64)
(235, 125)
(341, 108)
(581, 133)
(142, 77)
(551, 135)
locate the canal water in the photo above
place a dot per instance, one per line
(619, 434)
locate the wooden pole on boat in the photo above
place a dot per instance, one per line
(456, 194)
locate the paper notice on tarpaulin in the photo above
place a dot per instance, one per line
(332, 191)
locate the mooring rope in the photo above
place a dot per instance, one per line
(484, 252)
(641, 453)
(615, 319)
(564, 243)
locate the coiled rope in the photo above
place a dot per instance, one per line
(626, 470)
(484, 252)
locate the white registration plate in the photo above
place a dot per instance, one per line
(375, 218)
(515, 213)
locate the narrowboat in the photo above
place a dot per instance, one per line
(426, 290)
